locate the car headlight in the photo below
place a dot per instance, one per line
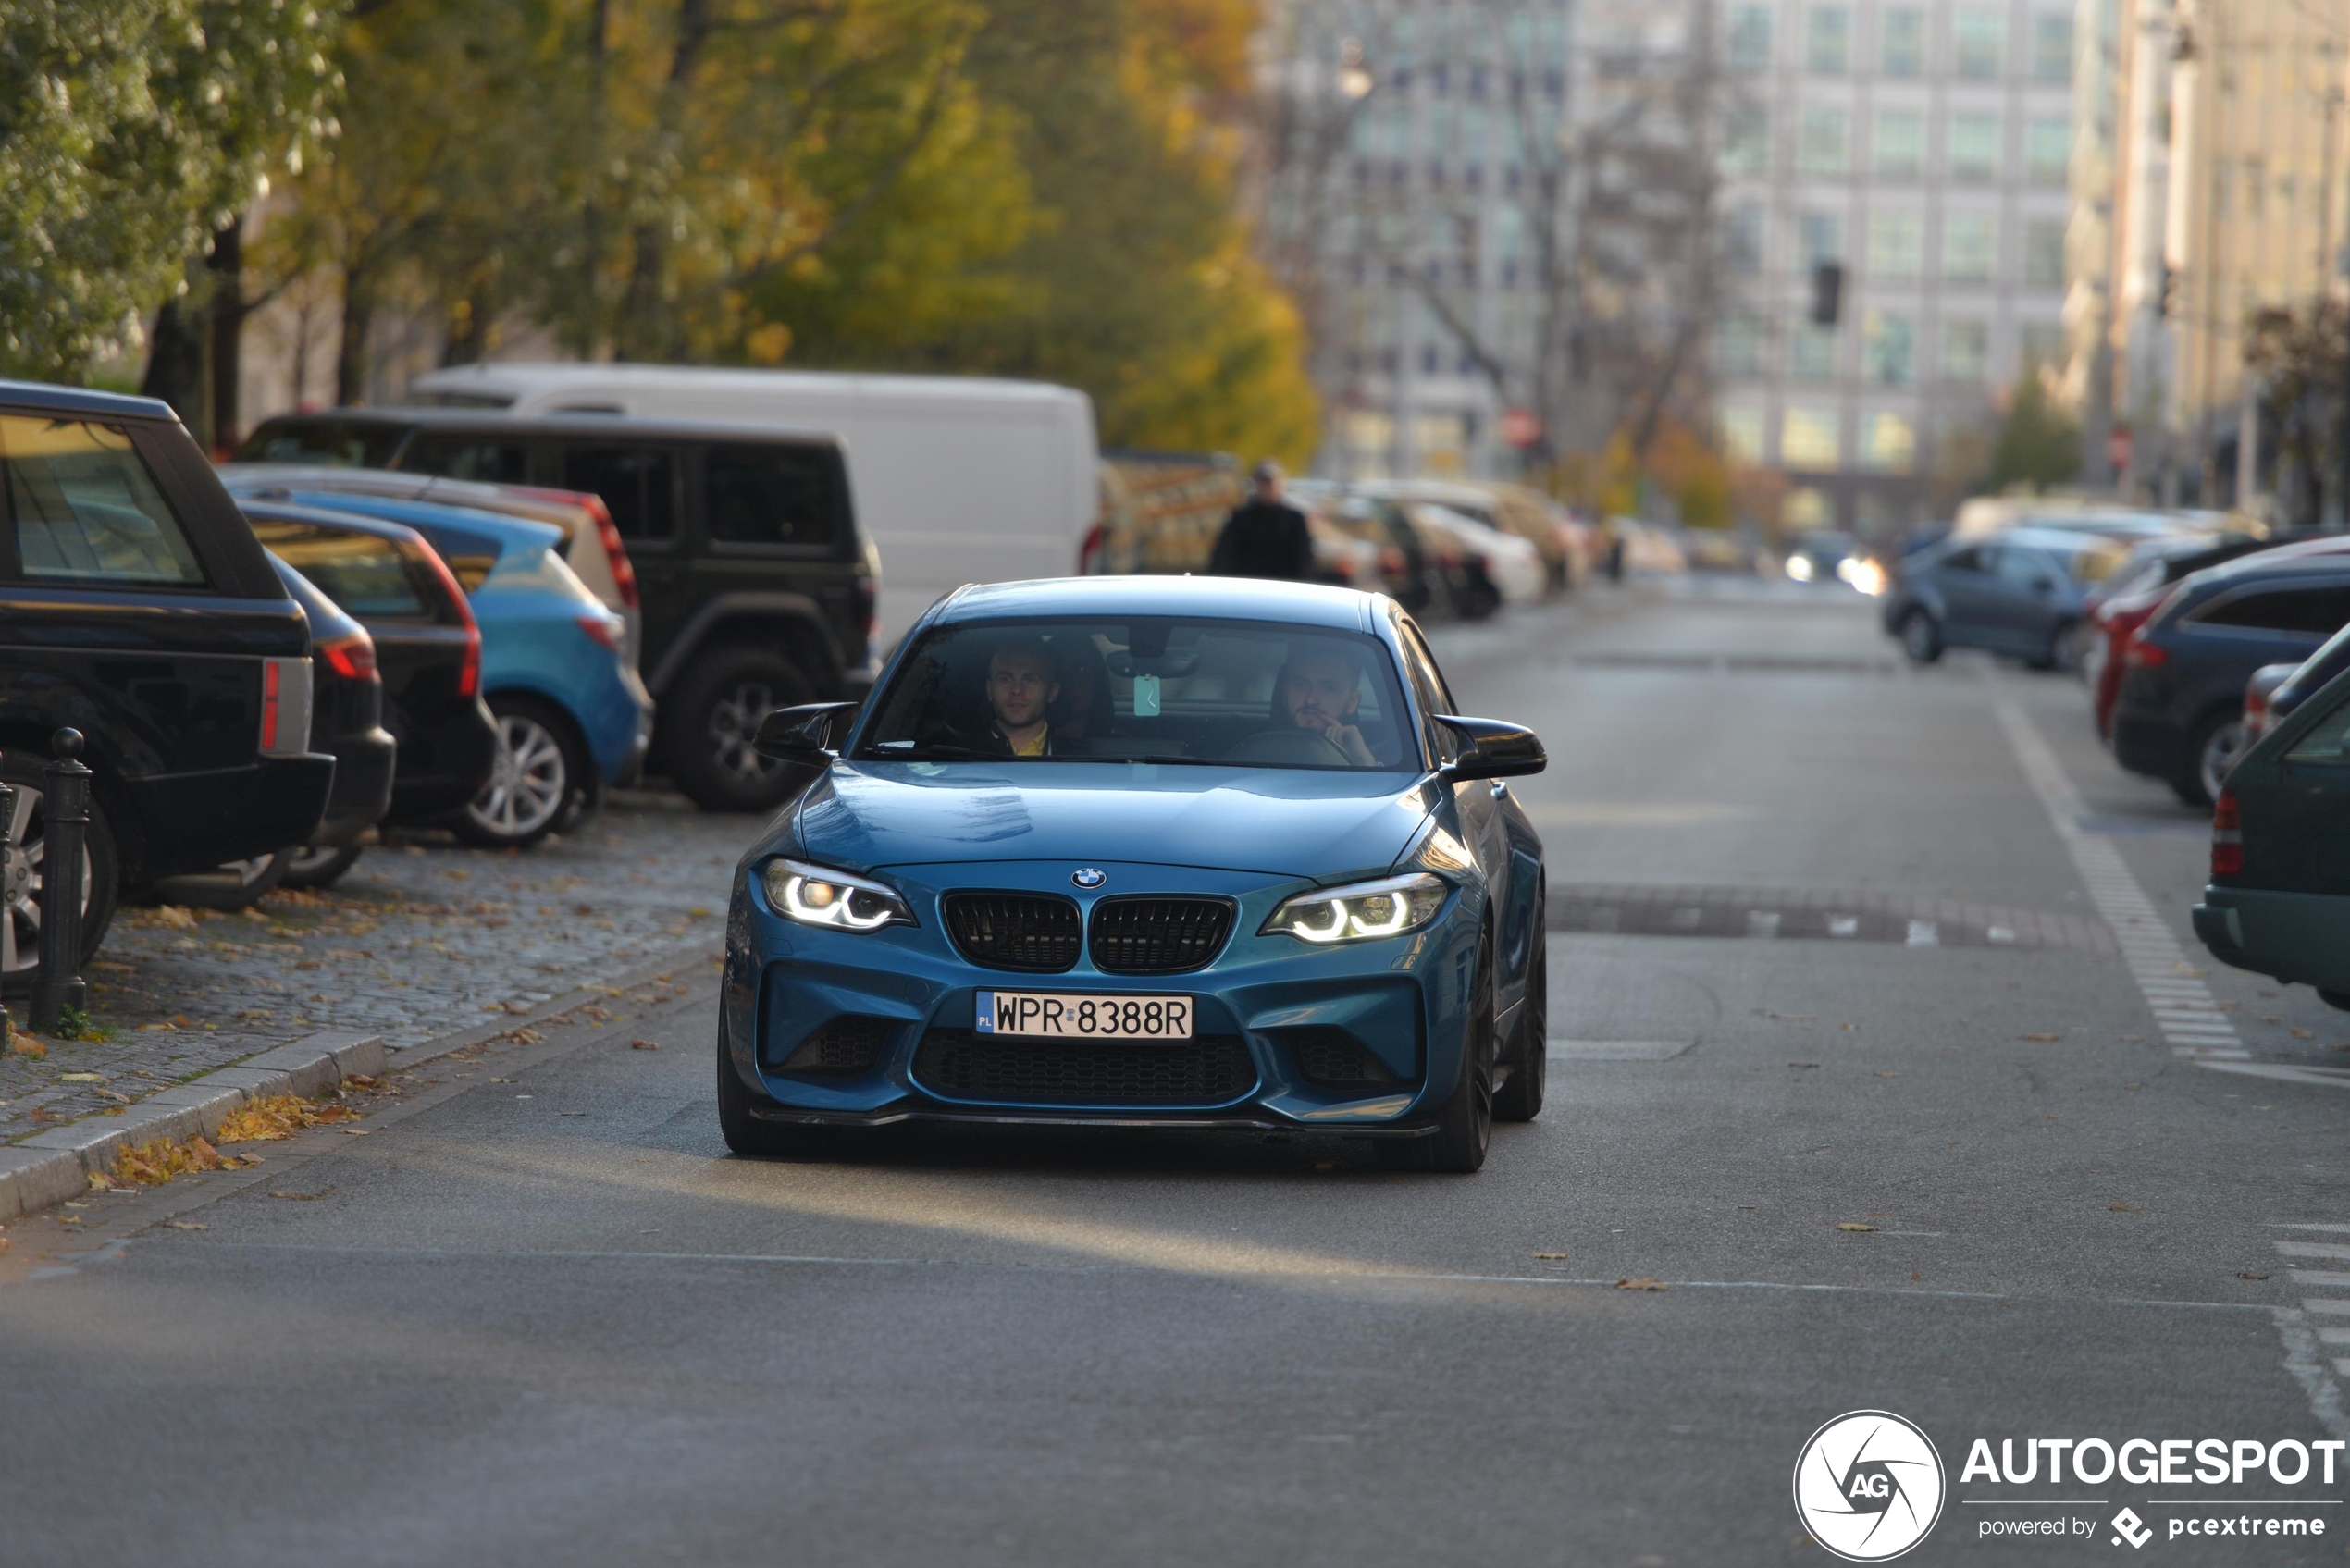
(815, 895)
(1360, 911)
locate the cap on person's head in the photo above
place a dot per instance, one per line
(1266, 472)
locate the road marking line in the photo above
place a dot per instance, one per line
(2318, 1278)
(1922, 934)
(2329, 1227)
(2313, 1249)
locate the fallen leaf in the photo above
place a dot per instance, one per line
(1552, 1256)
(1915, 1275)
(2246, 1275)
(81, 1077)
(176, 917)
(644, 1044)
(1803, 1064)
(2042, 1039)
(27, 1047)
(1885, 1075)
(187, 1224)
(1642, 1284)
(2305, 1035)
(1852, 1225)
(300, 1197)
(279, 1116)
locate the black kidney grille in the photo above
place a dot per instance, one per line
(1203, 1072)
(1015, 931)
(1152, 935)
(1336, 1059)
(850, 1045)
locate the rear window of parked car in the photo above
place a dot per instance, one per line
(638, 485)
(2328, 740)
(80, 506)
(771, 495)
(366, 575)
(341, 444)
(2315, 611)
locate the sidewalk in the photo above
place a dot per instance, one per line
(422, 938)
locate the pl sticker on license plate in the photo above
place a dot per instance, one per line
(1054, 1016)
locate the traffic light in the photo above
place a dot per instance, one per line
(1827, 293)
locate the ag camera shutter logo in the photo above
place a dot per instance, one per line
(1869, 1486)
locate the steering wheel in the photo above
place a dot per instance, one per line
(1301, 747)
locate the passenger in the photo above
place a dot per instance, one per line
(1320, 689)
(1022, 682)
(1084, 710)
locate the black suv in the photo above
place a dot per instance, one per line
(136, 605)
(759, 590)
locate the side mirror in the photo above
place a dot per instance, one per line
(800, 735)
(1496, 749)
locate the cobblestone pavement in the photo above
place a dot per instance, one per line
(423, 938)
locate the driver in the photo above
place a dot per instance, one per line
(1320, 689)
(1023, 681)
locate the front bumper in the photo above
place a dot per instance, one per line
(1274, 1012)
(2296, 937)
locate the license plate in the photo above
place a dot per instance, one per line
(1052, 1015)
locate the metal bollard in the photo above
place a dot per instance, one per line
(56, 986)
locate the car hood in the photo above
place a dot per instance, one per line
(1277, 821)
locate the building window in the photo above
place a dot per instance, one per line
(1895, 246)
(1977, 33)
(1742, 433)
(1820, 237)
(1968, 242)
(1811, 352)
(1902, 41)
(1744, 246)
(1974, 147)
(2044, 252)
(1748, 42)
(1827, 41)
(1737, 348)
(1809, 439)
(1824, 143)
(2048, 150)
(2052, 47)
(1900, 143)
(1966, 349)
(1889, 350)
(1745, 142)
(1889, 441)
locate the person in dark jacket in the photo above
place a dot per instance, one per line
(1265, 537)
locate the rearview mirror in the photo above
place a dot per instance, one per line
(1496, 749)
(802, 735)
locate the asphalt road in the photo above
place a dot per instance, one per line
(536, 1314)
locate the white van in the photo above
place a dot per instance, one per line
(957, 479)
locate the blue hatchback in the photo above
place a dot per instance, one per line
(572, 713)
(1130, 851)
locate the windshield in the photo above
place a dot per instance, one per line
(1224, 692)
(338, 443)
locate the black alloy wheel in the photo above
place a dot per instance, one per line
(1520, 1097)
(1921, 638)
(23, 854)
(716, 710)
(745, 1133)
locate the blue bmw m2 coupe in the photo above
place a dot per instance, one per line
(1144, 851)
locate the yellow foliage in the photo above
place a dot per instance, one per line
(279, 1116)
(157, 1161)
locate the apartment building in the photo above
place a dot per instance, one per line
(1925, 147)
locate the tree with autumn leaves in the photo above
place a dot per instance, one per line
(1011, 187)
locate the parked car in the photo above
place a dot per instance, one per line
(958, 478)
(757, 587)
(2279, 899)
(592, 546)
(1403, 560)
(137, 607)
(427, 651)
(571, 715)
(1825, 557)
(2018, 593)
(2179, 715)
(2276, 690)
(1509, 510)
(2119, 605)
(1515, 566)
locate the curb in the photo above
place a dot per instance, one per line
(681, 958)
(56, 1165)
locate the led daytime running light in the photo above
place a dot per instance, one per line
(815, 896)
(1363, 912)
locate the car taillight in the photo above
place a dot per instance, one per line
(1392, 561)
(2227, 836)
(469, 672)
(623, 571)
(272, 682)
(2140, 654)
(605, 628)
(1089, 554)
(352, 657)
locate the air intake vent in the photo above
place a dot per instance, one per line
(960, 1064)
(1335, 1060)
(1154, 935)
(850, 1045)
(1015, 931)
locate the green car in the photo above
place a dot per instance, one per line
(2279, 900)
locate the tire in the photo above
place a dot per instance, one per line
(1520, 1098)
(712, 716)
(2212, 749)
(319, 868)
(541, 766)
(746, 1134)
(25, 831)
(1464, 1128)
(238, 884)
(1921, 637)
